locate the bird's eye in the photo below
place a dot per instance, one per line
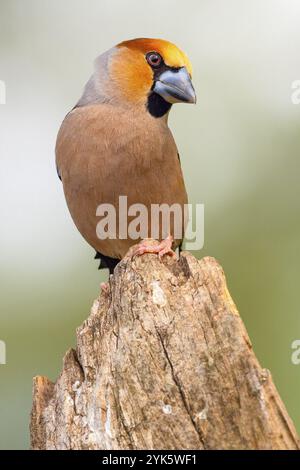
(154, 59)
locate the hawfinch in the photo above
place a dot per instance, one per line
(116, 142)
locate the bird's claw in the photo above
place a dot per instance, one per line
(162, 248)
(105, 287)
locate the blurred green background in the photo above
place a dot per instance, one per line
(239, 150)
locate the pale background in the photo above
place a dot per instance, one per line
(239, 150)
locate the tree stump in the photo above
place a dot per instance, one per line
(162, 362)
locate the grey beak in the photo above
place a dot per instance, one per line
(175, 86)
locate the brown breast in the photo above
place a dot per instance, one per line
(104, 152)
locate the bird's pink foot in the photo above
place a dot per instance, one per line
(162, 248)
(105, 287)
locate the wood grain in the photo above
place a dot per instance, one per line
(162, 362)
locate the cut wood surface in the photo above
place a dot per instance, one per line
(162, 362)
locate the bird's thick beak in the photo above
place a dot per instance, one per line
(175, 86)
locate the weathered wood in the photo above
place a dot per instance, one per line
(162, 362)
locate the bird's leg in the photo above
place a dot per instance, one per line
(162, 248)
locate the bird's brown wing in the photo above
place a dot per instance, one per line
(103, 152)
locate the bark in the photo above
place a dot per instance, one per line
(162, 362)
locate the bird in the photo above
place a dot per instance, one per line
(116, 142)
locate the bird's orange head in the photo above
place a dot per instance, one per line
(153, 72)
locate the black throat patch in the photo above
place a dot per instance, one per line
(157, 106)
